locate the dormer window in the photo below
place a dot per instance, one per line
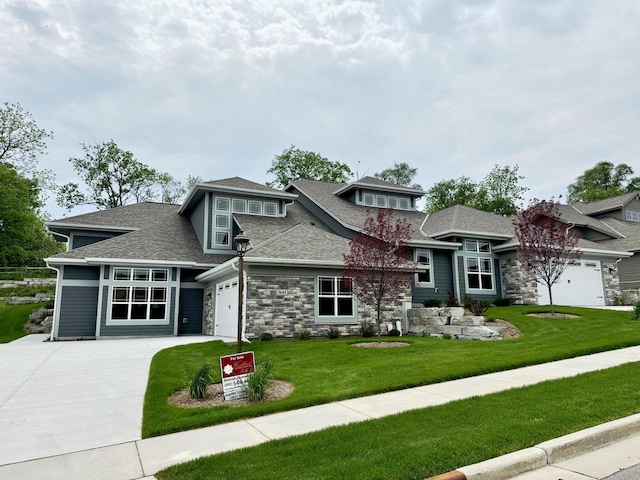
(381, 200)
(632, 216)
(368, 199)
(404, 203)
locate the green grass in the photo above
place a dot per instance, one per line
(431, 441)
(323, 371)
(12, 320)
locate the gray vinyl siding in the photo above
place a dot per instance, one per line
(73, 272)
(633, 206)
(197, 220)
(136, 330)
(78, 311)
(78, 241)
(442, 276)
(629, 271)
(191, 309)
(324, 217)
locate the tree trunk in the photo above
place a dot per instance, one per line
(550, 299)
(379, 334)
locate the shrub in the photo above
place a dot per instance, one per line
(394, 332)
(367, 330)
(305, 335)
(333, 333)
(451, 300)
(49, 305)
(258, 381)
(199, 381)
(636, 311)
(503, 302)
(477, 307)
(432, 302)
(446, 336)
(266, 337)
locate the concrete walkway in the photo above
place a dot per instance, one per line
(139, 458)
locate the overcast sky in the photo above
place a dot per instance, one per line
(216, 89)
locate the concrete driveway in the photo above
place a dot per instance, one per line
(62, 397)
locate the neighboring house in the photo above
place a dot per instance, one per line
(156, 269)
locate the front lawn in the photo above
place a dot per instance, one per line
(435, 440)
(323, 371)
(12, 320)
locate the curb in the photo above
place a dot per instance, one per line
(547, 453)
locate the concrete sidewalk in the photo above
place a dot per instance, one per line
(136, 459)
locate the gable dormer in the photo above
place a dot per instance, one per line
(211, 207)
(373, 192)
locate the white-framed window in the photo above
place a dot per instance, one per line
(369, 199)
(270, 209)
(139, 294)
(222, 204)
(255, 207)
(424, 275)
(404, 203)
(477, 246)
(222, 221)
(632, 216)
(479, 271)
(335, 297)
(221, 238)
(392, 202)
(381, 201)
(239, 205)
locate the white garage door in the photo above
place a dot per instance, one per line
(579, 285)
(227, 309)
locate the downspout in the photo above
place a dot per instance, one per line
(285, 207)
(56, 314)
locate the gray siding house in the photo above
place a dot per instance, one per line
(153, 269)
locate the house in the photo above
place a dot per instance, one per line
(157, 269)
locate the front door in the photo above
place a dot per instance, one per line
(226, 322)
(190, 311)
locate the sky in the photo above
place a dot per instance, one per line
(217, 89)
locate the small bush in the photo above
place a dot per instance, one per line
(446, 336)
(636, 311)
(477, 307)
(394, 332)
(451, 300)
(432, 302)
(199, 381)
(49, 305)
(258, 381)
(305, 335)
(367, 330)
(503, 302)
(490, 319)
(333, 333)
(266, 337)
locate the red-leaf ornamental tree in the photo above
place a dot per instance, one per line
(379, 262)
(545, 244)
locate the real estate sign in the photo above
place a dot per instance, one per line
(235, 374)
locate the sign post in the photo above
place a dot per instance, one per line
(235, 374)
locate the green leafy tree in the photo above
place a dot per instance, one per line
(172, 190)
(293, 164)
(24, 240)
(400, 174)
(497, 193)
(604, 180)
(112, 178)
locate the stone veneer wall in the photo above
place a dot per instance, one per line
(209, 310)
(518, 283)
(611, 283)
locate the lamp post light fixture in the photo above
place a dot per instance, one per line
(242, 243)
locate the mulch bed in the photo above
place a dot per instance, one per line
(276, 390)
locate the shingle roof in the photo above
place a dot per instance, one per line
(605, 205)
(238, 182)
(569, 214)
(158, 233)
(377, 184)
(462, 219)
(350, 215)
(630, 232)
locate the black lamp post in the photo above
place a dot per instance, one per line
(242, 243)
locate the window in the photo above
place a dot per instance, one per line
(632, 216)
(222, 204)
(335, 297)
(239, 205)
(270, 209)
(381, 201)
(255, 207)
(221, 238)
(477, 246)
(424, 277)
(479, 273)
(144, 299)
(392, 202)
(404, 203)
(222, 221)
(369, 199)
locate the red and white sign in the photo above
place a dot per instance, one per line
(235, 374)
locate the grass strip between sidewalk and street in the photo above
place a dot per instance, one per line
(324, 371)
(435, 440)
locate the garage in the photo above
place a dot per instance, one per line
(580, 285)
(227, 309)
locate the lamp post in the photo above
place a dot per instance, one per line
(242, 243)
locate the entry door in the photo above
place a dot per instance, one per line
(581, 284)
(227, 309)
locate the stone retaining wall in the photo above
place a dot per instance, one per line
(437, 322)
(28, 282)
(38, 298)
